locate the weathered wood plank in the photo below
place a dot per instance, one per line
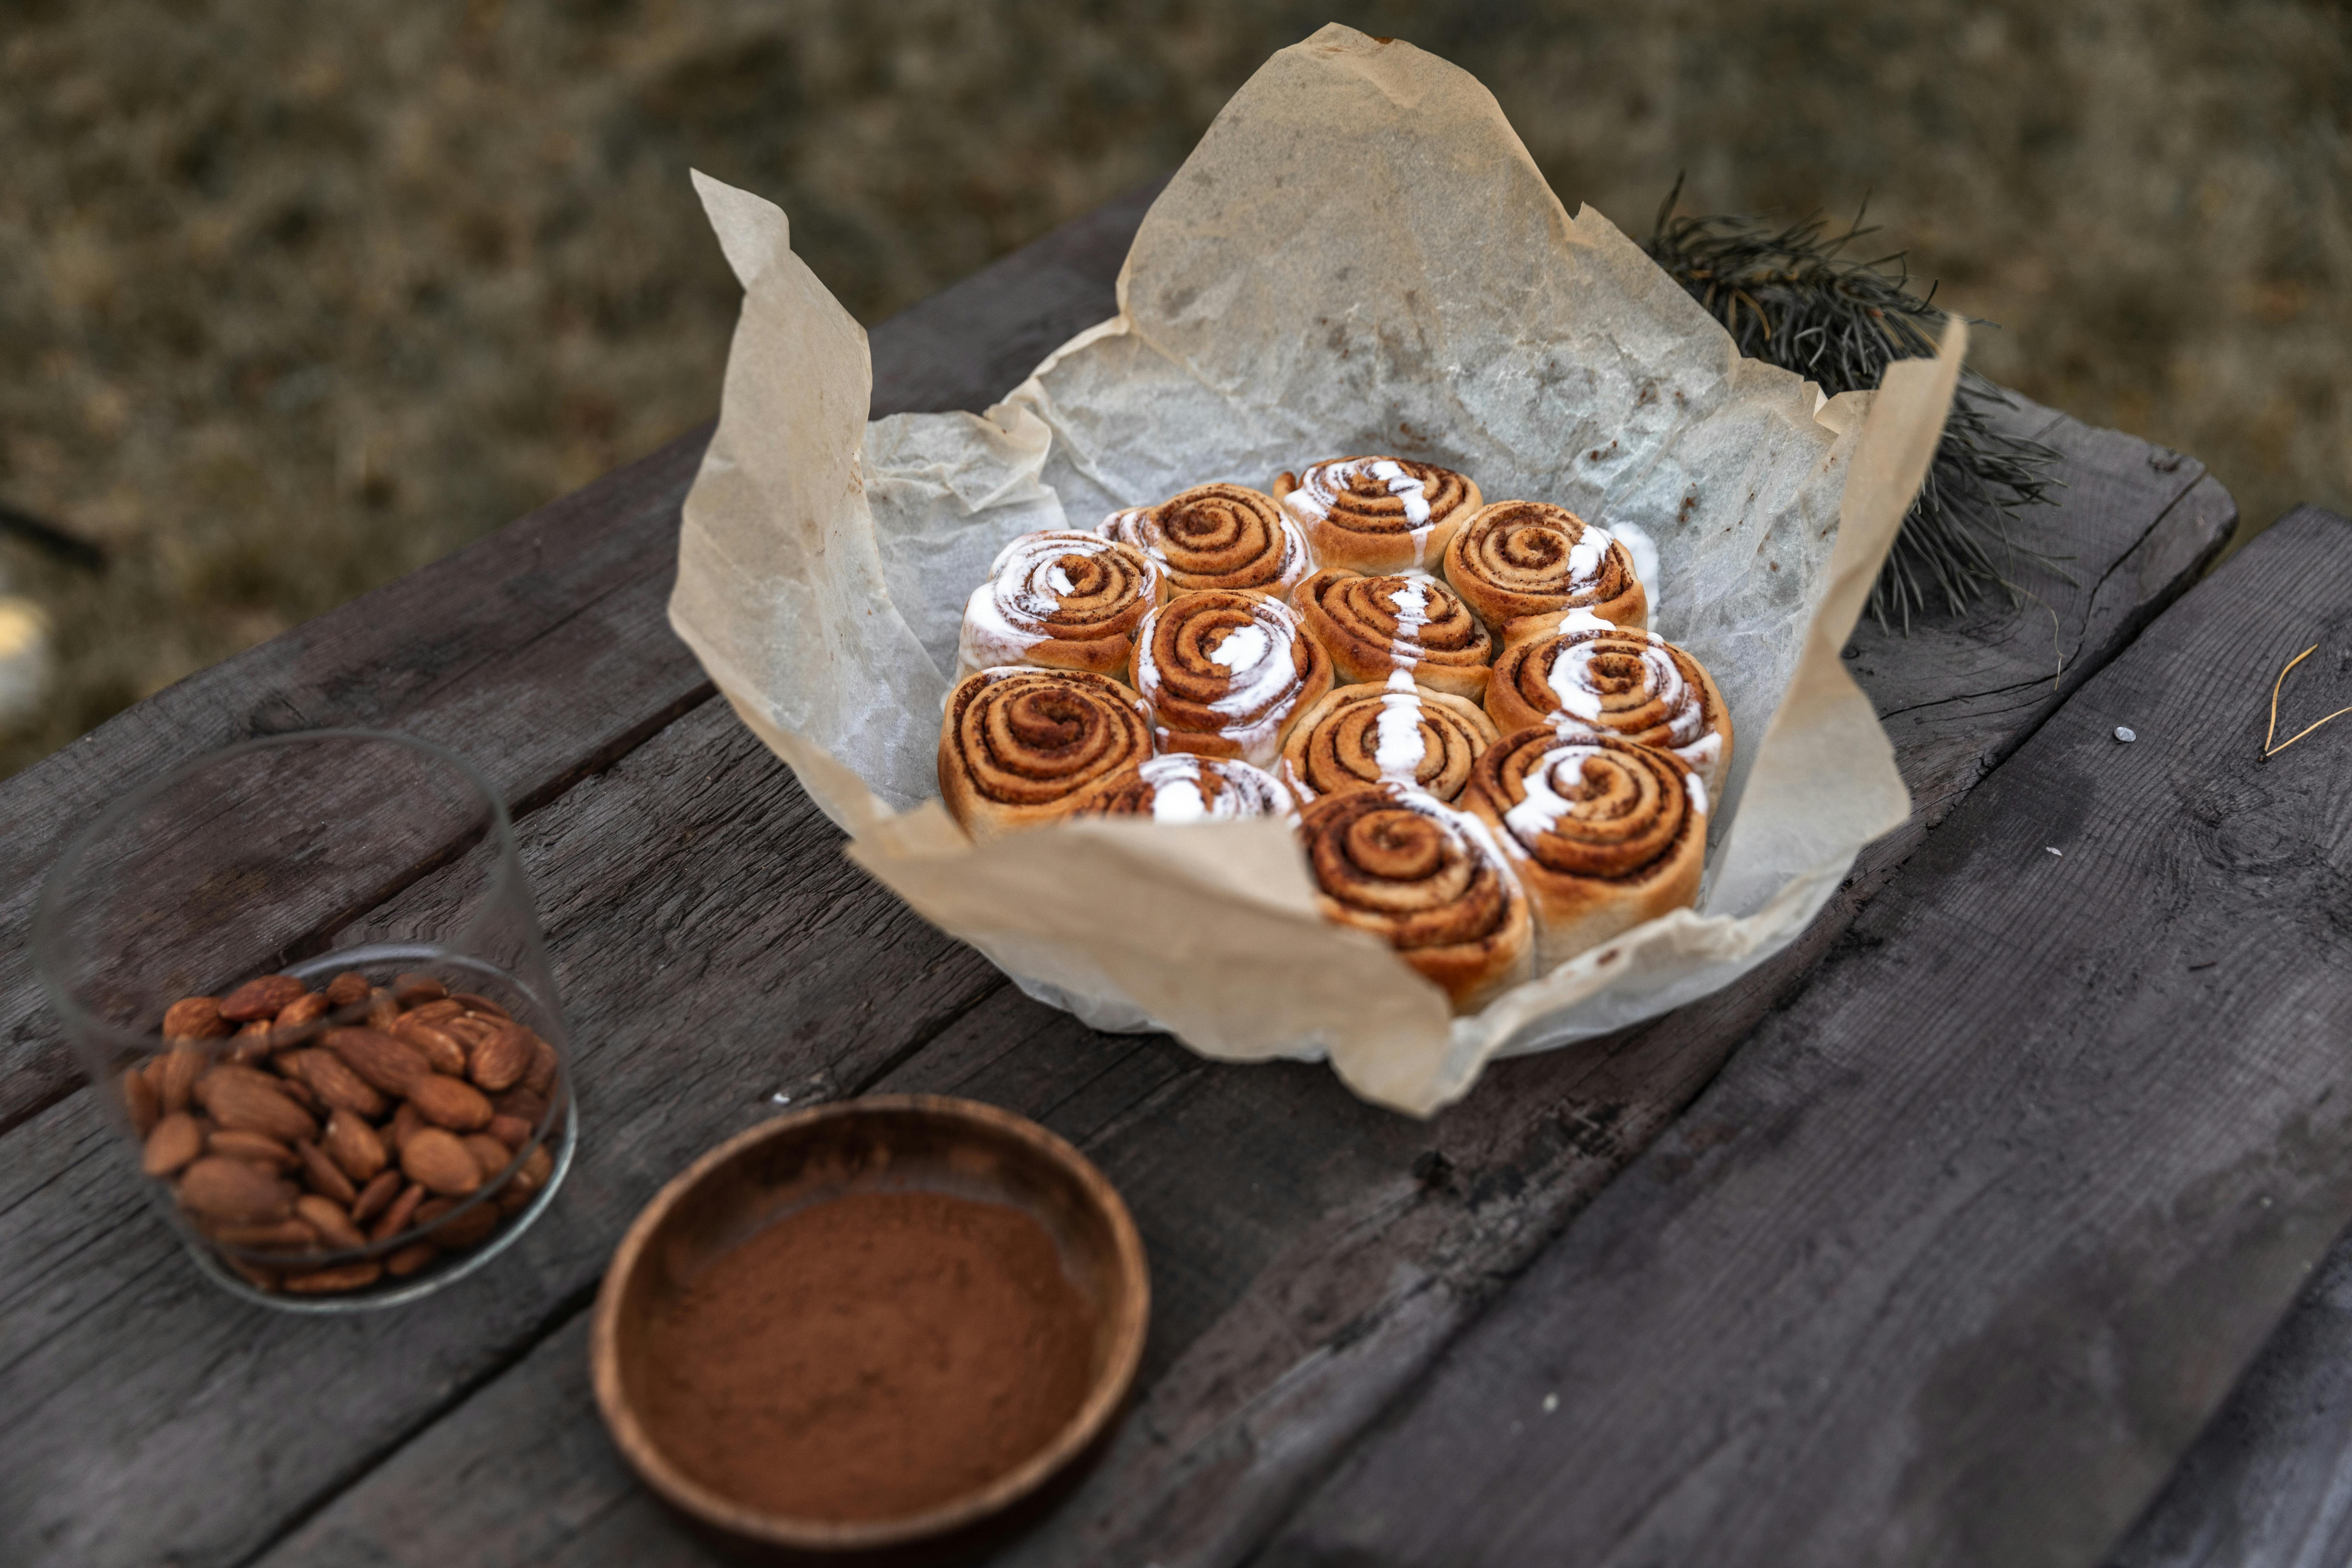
(1309, 1255)
(712, 947)
(542, 652)
(1955, 1258)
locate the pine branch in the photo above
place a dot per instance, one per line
(1792, 296)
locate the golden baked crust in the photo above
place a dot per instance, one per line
(1216, 536)
(1515, 563)
(1373, 627)
(1637, 686)
(1359, 736)
(1426, 879)
(1604, 833)
(1227, 673)
(1377, 514)
(1019, 746)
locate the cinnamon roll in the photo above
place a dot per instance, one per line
(1426, 877)
(1060, 599)
(1216, 536)
(1227, 672)
(1604, 833)
(1377, 514)
(1374, 626)
(1181, 788)
(1019, 746)
(1363, 736)
(1518, 561)
(1588, 675)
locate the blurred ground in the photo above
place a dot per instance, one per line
(295, 298)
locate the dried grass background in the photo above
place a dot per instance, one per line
(296, 298)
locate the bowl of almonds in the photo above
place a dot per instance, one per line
(346, 1128)
(359, 1140)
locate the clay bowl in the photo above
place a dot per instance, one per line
(923, 1142)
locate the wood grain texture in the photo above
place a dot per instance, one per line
(1958, 1255)
(1311, 1255)
(542, 652)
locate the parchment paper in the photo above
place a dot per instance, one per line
(1359, 256)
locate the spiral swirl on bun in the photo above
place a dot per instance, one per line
(1374, 626)
(1604, 833)
(1060, 599)
(1019, 746)
(1216, 536)
(1378, 514)
(1181, 788)
(1426, 879)
(1590, 676)
(1363, 736)
(1227, 673)
(1521, 563)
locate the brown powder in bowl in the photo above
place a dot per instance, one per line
(869, 1357)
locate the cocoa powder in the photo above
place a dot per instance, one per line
(872, 1356)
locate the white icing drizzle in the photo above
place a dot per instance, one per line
(1398, 746)
(1571, 684)
(1696, 790)
(1177, 797)
(1534, 816)
(1243, 647)
(1319, 490)
(1586, 556)
(1027, 581)
(1410, 603)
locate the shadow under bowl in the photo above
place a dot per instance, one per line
(893, 1142)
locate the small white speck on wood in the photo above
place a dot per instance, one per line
(2124, 733)
(2053, 849)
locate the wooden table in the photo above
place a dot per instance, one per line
(1939, 1240)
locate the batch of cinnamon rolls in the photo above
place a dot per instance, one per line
(1491, 761)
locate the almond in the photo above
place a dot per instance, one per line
(181, 1065)
(195, 1018)
(445, 1054)
(257, 1147)
(244, 1101)
(409, 1259)
(140, 1103)
(394, 1219)
(386, 1062)
(348, 987)
(353, 1146)
(450, 1102)
(437, 1012)
(301, 1094)
(462, 1231)
(540, 1078)
(309, 1007)
(236, 1191)
(434, 1159)
(413, 989)
(383, 1009)
(490, 1154)
(469, 1031)
(521, 1102)
(500, 1061)
(260, 999)
(333, 1081)
(253, 1043)
(177, 1139)
(318, 1168)
(513, 1200)
(511, 1131)
(473, 1004)
(375, 1195)
(326, 1216)
(536, 1167)
(405, 1121)
(277, 1236)
(330, 1281)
